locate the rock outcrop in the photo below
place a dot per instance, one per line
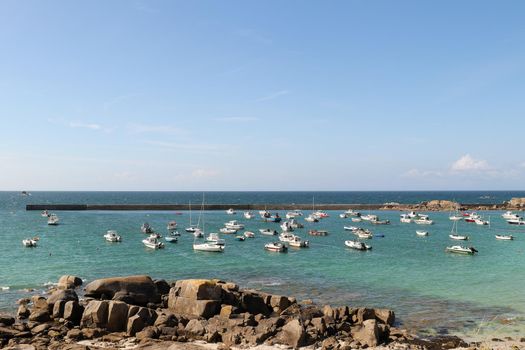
(209, 310)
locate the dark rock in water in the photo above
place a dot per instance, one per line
(140, 289)
(7, 320)
(69, 282)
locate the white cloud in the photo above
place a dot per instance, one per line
(138, 128)
(414, 173)
(273, 96)
(237, 119)
(468, 163)
(81, 125)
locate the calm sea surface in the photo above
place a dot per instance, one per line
(430, 290)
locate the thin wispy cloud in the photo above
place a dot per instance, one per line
(80, 125)
(138, 128)
(273, 95)
(469, 163)
(196, 147)
(237, 119)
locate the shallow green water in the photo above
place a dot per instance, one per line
(430, 290)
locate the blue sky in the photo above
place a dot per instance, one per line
(262, 95)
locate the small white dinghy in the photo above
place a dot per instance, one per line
(357, 245)
(364, 234)
(52, 220)
(228, 230)
(276, 247)
(230, 211)
(198, 233)
(172, 226)
(112, 236)
(357, 219)
(248, 215)
(29, 242)
(249, 234)
(153, 242)
(172, 237)
(505, 237)
(240, 238)
(458, 249)
(458, 237)
(422, 233)
(268, 232)
(44, 214)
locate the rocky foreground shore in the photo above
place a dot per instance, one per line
(139, 312)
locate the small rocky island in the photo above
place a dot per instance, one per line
(139, 312)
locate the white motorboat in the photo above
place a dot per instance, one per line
(214, 238)
(234, 225)
(455, 217)
(264, 213)
(227, 230)
(230, 211)
(297, 242)
(412, 214)
(318, 233)
(343, 216)
(380, 222)
(472, 217)
(249, 234)
(505, 237)
(357, 245)
(286, 226)
(404, 218)
(208, 247)
(268, 232)
(518, 221)
(508, 215)
(351, 228)
(294, 214)
(172, 226)
(52, 220)
(171, 238)
(240, 238)
(423, 220)
(358, 219)
(112, 236)
(458, 249)
(198, 233)
(191, 229)
(248, 215)
(369, 217)
(276, 247)
(458, 237)
(351, 212)
(295, 224)
(481, 222)
(286, 237)
(44, 214)
(311, 218)
(421, 233)
(146, 228)
(364, 234)
(29, 242)
(153, 242)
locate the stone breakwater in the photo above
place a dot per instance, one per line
(433, 205)
(139, 312)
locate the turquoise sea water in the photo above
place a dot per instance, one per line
(430, 290)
